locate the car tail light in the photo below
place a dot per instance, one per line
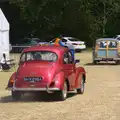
(10, 84)
(11, 80)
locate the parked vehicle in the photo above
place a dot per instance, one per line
(47, 68)
(78, 45)
(25, 43)
(106, 49)
(117, 37)
(43, 43)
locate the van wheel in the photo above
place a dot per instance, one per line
(16, 95)
(81, 89)
(117, 62)
(63, 93)
(94, 62)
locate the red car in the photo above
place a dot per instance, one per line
(47, 68)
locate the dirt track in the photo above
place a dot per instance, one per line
(101, 100)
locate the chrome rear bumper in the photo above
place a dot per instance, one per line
(48, 90)
(33, 89)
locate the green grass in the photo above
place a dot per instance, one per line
(89, 49)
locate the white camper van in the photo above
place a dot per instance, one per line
(4, 37)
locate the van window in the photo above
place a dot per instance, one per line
(111, 44)
(103, 44)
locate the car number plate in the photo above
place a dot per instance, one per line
(32, 79)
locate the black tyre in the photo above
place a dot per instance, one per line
(63, 94)
(117, 62)
(94, 62)
(80, 51)
(16, 95)
(81, 89)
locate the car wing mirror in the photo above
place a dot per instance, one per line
(77, 61)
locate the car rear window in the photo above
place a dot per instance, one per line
(39, 56)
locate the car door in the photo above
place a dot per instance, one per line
(69, 69)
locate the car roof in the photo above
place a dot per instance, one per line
(69, 37)
(73, 38)
(105, 39)
(56, 49)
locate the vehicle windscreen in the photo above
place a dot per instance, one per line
(39, 56)
(111, 44)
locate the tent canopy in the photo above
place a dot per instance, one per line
(4, 24)
(4, 36)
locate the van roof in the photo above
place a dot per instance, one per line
(105, 39)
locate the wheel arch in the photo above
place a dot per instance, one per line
(68, 84)
(84, 78)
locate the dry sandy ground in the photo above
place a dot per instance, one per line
(101, 100)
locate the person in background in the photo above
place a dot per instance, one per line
(57, 41)
(63, 42)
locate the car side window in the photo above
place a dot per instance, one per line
(70, 58)
(64, 40)
(67, 58)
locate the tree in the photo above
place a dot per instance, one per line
(85, 19)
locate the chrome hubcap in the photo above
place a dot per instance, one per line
(82, 85)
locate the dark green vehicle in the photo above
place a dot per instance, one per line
(24, 43)
(106, 49)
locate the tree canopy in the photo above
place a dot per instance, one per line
(84, 19)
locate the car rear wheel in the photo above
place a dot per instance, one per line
(16, 95)
(81, 89)
(63, 93)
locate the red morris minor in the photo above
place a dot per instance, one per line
(47, 68)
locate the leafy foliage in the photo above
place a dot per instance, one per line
(85, 19)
